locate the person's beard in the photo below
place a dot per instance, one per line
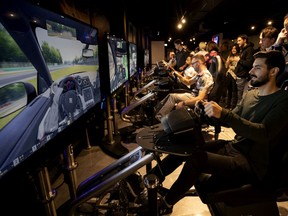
(258, 83)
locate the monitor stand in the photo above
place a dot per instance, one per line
(112, 141)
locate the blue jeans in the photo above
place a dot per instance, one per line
(242, 86)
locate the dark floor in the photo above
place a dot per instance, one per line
(93, 159)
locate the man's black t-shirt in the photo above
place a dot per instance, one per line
(181, 57)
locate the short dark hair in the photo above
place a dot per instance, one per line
(177, 41)
(274, 58)
(270, 32)
(212, 46)
(237, 47)
(244, 37)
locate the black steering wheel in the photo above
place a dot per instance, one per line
(206, 120)
(69, 100)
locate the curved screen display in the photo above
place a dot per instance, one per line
(118, 62)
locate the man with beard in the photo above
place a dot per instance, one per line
(260, 122)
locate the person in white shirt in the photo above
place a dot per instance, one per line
(188, 73)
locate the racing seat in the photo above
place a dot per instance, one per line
(249, 199)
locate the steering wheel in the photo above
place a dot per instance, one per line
(206, 120)
(173, 81)
(69, 100)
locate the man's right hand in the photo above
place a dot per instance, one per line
(281, 37)
(212, 109)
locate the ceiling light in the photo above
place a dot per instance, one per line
(179, 26)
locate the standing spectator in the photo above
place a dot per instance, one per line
(244, 65)
(230, 64)
(181, 56)
(282, 39)
(216, 66)
(202, 49)
(224, 49)
(268, 37)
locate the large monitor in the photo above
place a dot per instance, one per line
(215, 38)
(46, 48)
(146, 58)
(118, 62)
(132, 59)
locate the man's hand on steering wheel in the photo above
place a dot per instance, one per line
(212, 109)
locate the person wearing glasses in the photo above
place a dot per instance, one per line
(202, 84)
(257, 150)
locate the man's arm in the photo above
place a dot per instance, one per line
(269, 127)
(191, 102)
(281, 37)
(185, 80)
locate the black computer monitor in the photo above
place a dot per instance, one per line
(132, 59)
(66, 50)
(215, 38)
(146, 58)
(118, 62)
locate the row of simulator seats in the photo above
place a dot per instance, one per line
(181, 124)
(113, 181)
(141, 108)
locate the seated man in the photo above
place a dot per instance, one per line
(184, 77)
(261, 124)
(172, 61)
(203, 83)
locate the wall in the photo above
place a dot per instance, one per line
(157, 51)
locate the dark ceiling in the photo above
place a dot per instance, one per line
(206, 17)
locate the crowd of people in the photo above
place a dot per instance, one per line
(249, 99)
(229, 66)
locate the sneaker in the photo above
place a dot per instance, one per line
(164, 208)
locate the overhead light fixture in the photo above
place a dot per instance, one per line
(181, 22)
